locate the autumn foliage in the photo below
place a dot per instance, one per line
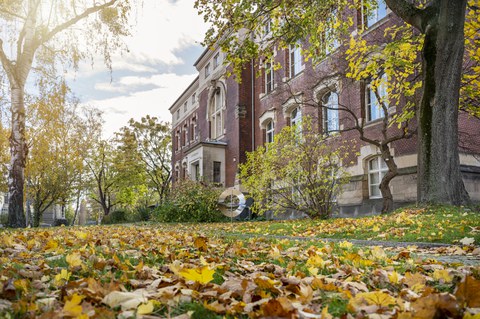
(194, 271)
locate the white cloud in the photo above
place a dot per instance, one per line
(163, 29)
(118, 110)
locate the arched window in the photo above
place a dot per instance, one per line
(296, 117)
(377, 168)
(269, 131)
(217, 113)
(330, 112)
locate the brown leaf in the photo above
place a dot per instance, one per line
(468, 292)
(201, 243)
(9, 292)
(436, 306)
(280, 307)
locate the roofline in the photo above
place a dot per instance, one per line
(201, 56)
(185, 91)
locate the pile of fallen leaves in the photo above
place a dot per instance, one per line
(158, 271)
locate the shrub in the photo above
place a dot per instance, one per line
(299, 171)
(60, 222)
(118, 216)
(190, 201)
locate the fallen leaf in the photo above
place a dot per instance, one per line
(201, 275)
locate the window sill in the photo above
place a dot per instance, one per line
(288, 79)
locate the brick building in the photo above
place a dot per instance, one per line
(217, 119)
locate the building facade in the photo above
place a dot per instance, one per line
(217, 119)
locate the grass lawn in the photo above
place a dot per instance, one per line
(199, 271)
(438, 225)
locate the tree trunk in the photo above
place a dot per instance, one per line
(385, 183)
(439, 176)
(18, 151)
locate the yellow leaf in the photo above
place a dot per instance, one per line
(201, 275)
(145, 309)
(74, 260)
(377, 298)
(72, 307)
(81, 235)
(442, 275)
(51, 245)
(63, 275)
(394, 277)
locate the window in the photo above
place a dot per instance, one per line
(296, 117)
(185, 107)
(295, 62)
(269, 132)
(373, 14)
(193, 129)
(376, 170)
(267, 27)
(178, 140)
(216, 61)
(330, 38)
(216, 172)
(194, 96)
(269, 77)
(185, 133)
(178, 114)
(330, 112)
(216, 115)
(195, 171)
(374, 107)
(207, 70)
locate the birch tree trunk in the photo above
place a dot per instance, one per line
(18, 151)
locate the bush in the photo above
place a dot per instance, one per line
(118, 216)
(190, 201)
(4, 219)
(60, 222)
(141, 214)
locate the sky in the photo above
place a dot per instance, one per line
(164, 45)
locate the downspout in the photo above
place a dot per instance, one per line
(253, 104)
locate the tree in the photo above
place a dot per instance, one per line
(152, 140)
(238, 27)
(101, 166)
(59, 138)
(300, 170)
(41, 31)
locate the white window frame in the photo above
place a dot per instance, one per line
(185, 107)
(330, 38)
(269, 77)
(269, 131)
(380, 170)
(295, 60)
(194, 95)
(373, 107)
(331, 120)
(216, 60)
(369, 20)
(217, 114)
(207, 70)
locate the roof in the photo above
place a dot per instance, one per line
(183, 93)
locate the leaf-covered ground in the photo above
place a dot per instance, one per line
(439, 224)
(190, 271)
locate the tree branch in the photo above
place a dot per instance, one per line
(75, 19)
(408, 12)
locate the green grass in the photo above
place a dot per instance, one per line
(436, 224)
